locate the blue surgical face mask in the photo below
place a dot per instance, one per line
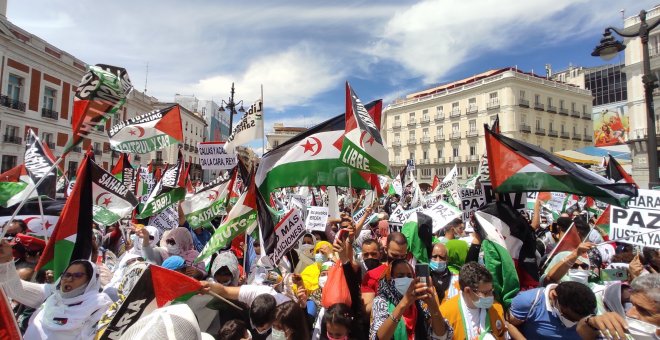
(277, 334)
(320, 258)
(438, 266)
(484, 302)
(402, 284)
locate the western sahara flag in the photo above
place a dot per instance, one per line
(511, 253)
(207, 203)
(154, 289)
(167, 191)
(145, 133)
(517, 166)
(112, 199)
(72, 237)
(31, 214)
(419, 227)
(8, 327)
(312, 159)
(39, 165)
(249, 128)
(363, 147)
(102, 92)
(603, 221)
(15, 186)
(125, 172)
(241, 218)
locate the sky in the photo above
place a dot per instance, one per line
(302, 52)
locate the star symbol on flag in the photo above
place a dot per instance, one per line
(308, 146)
(107, 201)
(132, 132)
(47, 224)
(210, 197)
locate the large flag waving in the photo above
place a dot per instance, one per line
(166, 192)
(8, 327)
(125, 172)
(311, 158)
(72, 237)
(615, 172)
(241, 218)
(148, 132)
(249, 128)
(15, 185)
(207, 203)
(363, 147)
(102, 92)
(516, 166)
(112, 199)
(39, 165)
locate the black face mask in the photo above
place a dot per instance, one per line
(371, 263)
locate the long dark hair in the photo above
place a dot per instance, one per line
(290, 315)
(340, 314)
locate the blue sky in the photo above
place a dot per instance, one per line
(303, 51)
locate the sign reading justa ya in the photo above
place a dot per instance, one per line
(642, 216)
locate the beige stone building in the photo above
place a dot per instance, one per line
(444, 125)
(281, 134)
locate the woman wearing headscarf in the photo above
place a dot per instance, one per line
(405, 307)
(311, 273)
(68, 309)
(456, 253)
(138, 243)
(178, 242)
(305, 252)
(112, 288)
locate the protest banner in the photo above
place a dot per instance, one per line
(399, 216)
(166, 219)
(442, 213)
(317, 217)
(299, 202)
(287, 232)
(472, 200)
(641, 216)
(212, 156)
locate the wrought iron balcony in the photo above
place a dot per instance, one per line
(412, 141)
(575, 114)
(396, 125)
(552, 109)
(539, 106)
(455, 113)
(540, 131)
(426, 140)
(424, 161)
(565, 135)
(525, 128)
(47, 113)
(563, 111)
(98, 152)
(438, 160)
(493, 104)
(586, 115)
(472, 158)
(472, 133)
(12, 104)
(412, 122)
(455, 135)
(76, 149)
(439, 117)
(396, 143)
(523, 102)
(588, 138)
(577, 136)
(425, 119)
(552, 133)
(472, 109)
(439, 138)
(13, 139)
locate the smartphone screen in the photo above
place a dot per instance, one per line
(615, 274)
(422, 270)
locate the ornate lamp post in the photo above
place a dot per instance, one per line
(231, 106)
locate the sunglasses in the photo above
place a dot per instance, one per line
(73, 275)
(171, 242)
(580, 266)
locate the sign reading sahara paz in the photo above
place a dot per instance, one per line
(472, 200)
(642, 215)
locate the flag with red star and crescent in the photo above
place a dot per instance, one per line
(148, 132)
(112, 198)
(125, 172)
(207, 202)
(363, 147)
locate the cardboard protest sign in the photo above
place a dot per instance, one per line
(212, 156)
(287, 232)
(642, 216)
(317, 217)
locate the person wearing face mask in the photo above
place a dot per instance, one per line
(370, 256)
(397, 248)
(562, 311)
(287, 324)
(398, 311)
(643, 317)
(311, 274)
(457, 251)
(305, 252)
(453, 230)
(178, 242)
(235, 330)
(473, 313)
(569, 266)
(337, 323)
(69, 309)
(440, 274)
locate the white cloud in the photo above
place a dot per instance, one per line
(292, 77)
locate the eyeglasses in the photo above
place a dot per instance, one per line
(486, 293)
(76, 276)
(580, 266)
(170, 242)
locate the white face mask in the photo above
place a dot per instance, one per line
(578, 275)
(307, 249)
(567, 323)
(641, 330)
(277, 334)
(402, 284)
(544, 225)
(173, 249)
(322, 280)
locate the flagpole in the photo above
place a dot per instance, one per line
(43, 221)
(3, 230)
(627, 237)
(263, 125)
(350, 188)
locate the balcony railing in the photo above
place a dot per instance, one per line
(539, 106)
(565, 135)
(525, 128)
(426, 119)
(13, 139)
(493, 104)
(439, 138)
(412, 141)
(455, 135)
(586, 115)
(455, 113)
(438, 160)
(47, 113)
(396, 143)
(540, 131)
(396, 125)
(12, 104)
(523, 102)
(424, 161)
(472, 158)
(472, 133)
(552, 109)
(588, 138)
(563, 111)
(439, 117)
(577, 136)
(412, 122)
(472, 109)
(552, 133)
(456, 159)
(76, 149)
(426, 140)
(575, 114)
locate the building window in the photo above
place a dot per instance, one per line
(412, 155)
(537, 99)
(455, 151)
(572, 106)
(522, 94)
(550, 126)
(411, 116)
(11, 132)
(14, 86)
(49, 98)
(97, 147)
(538, 124)
(454, 106)
(8, 162)
(549, 101)
(473, 150)
(563, 128)
(159, 156)
(411, 135)
(523, 119)
(425, 113)
(440, 153)
(552, 149)
(397, 136)
(455, 128)
(73, 168)
(471, 170)
(438, 131)
(584, 109)
(492, 96)
(441, 171)
(425, 154)
(426, 172)
(438, 109)
(397, 118)
(561, 103)
(47, 138)
(276, 143)
(186, 126)
(425, 132)
(460, 171)
(473, 125)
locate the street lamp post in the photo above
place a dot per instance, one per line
(231, 105)
(607, 49)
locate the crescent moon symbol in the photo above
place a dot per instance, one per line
(99, 197)
(27, 220)
(141, 129)
(318, 144)
(217, 193)
(362, 138)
